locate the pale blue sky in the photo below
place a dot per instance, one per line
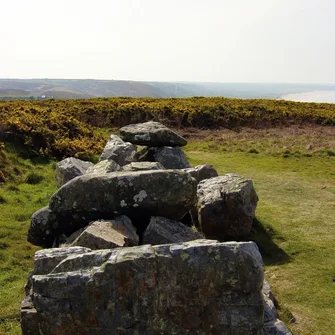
(175, 40)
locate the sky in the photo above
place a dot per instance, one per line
(289, 41)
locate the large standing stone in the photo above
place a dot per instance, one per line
(70, 168)
(106, 234)
(168, 193)
(226, 206)
(163, 231)
(119, 151)
(151, 134)
(199, 287)
(201, 172)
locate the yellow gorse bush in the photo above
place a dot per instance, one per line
(62, 128)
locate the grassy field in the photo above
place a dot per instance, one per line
(295, 228)
(30, 190)
(295, 233)
(291, 162)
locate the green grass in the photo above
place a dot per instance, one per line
(296, 230)
(295, 227)
(31, 190)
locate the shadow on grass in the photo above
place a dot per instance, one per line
(263, 235)
(16, 146)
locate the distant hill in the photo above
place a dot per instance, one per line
(89, 88)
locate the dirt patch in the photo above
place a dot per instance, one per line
(310, 138)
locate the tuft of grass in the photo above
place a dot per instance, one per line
(253, 151)
(34, 178)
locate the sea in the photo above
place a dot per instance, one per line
(313, 96)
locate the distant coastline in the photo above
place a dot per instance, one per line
(313, 96)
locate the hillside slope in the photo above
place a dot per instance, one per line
(86, 88)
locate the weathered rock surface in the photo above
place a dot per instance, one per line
(45, 262)
(171, 157)
(226, 206)
(105, 166)
(168, 193)
(42, 228)
(202, 172)
(119, 151)
(105, 234)
(140, 166)
(151, 134)
(70, 168)
(199, 173)
(164, 231)
(199, 287)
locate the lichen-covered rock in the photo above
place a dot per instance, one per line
(167, 193)
(118, 232)
(43, 228)
(151, 134)
(199, 287)
(140, 166)
(163, 231)
(226, 206)
(70, 168)
(201, 172)
(105, 166)
(46, 260)
(119, 151)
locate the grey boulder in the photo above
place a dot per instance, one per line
(198, 287)
(151, 134)
(201, 172)
(119, 151)
(171, 158)
(163, 231)
(70, 168)
(43, 228)
(168, 193)
(105, 166)
(168, 157)
(226, 206)
(118, 232)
